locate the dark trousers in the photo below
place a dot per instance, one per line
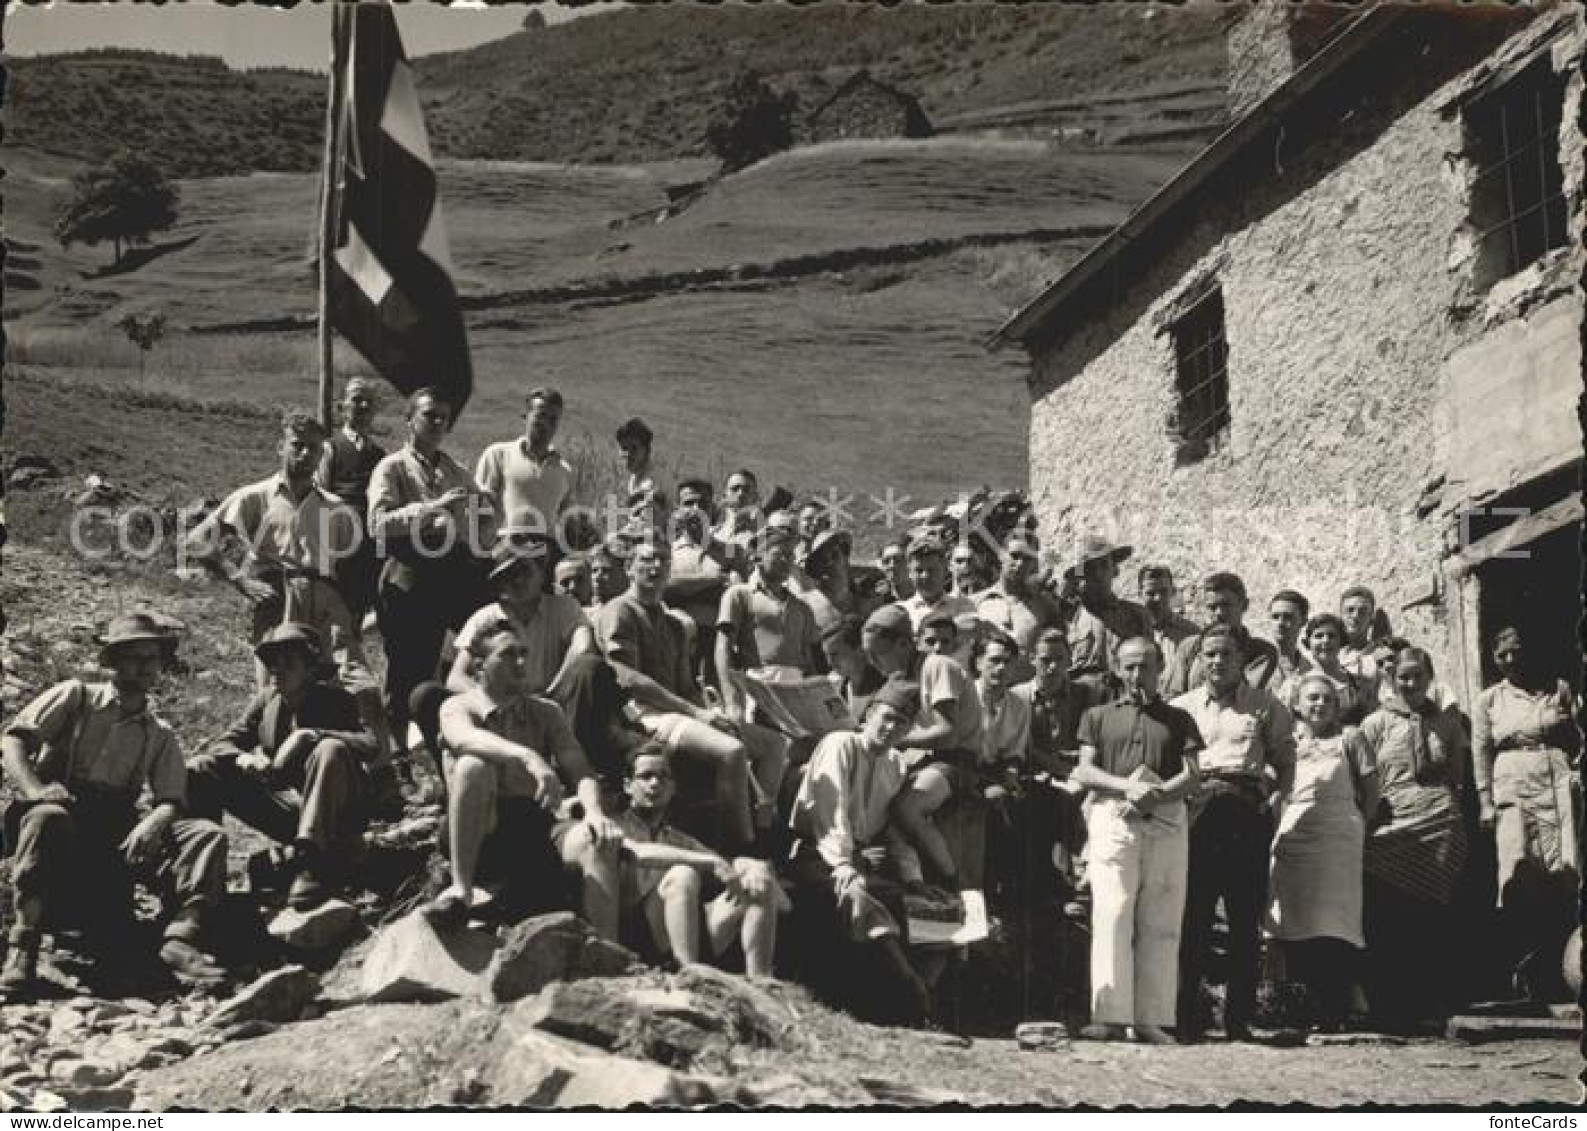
(415, 617)
(70, 857)
(1326, 967)
(321, 804)
(1230, 840)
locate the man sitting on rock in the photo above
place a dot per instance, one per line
(667, 874)
(78, 756)
(295, 766)
(509, 755)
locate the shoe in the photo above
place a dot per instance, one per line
(308, 890)
(1238, 1032)
(1101, 1031)
(448, 911)
(189, 965)
(1151, 1035)
(20, 973)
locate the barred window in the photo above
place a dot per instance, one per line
(1201, 360)
(1517, 200)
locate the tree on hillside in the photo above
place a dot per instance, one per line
(124, 200)
(753, 123)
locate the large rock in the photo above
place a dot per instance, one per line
(537, 1070)
(559, 947)
(410, 961)
(320, 928)
(278, 996)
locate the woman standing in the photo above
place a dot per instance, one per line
(1324, 637)
(1417, 845)
(1315, 907)
(1526, 745)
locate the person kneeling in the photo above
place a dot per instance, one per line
(296, 766)
(508, 754)
(666, 875)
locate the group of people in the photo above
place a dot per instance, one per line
(1011, 725)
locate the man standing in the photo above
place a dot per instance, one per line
(1102, 620)
(1358, 608)
(761, 623)
(964, 572)
(1249, 754)
(528, 482)
(1289, 611)
(434, 524)
(1016, 606)
(1224, 599)
(1138, 760)
(295, 766)
(649, 493)
(928, 574)
(894, 564)
(345, 467)
(1169, 629)
(740, 518)
(77, 758)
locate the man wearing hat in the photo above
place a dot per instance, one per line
(527, 480)
(762, 624)
(78, 757)
(299, 537)
(944, 742)
(562, 661)
(295, 766)
(1016, 606)
(928, 573)
(348, 460)
(1103, 620)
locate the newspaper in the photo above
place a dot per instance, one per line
(798, 706)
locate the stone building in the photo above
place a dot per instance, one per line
(866, 107)
(1344, 344)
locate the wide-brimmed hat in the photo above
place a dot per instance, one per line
(517, 549)
(1094, 547)
(292, 634)
(826, 543)
(135, 628)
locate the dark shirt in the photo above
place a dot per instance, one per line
(1127, 736)
(269, 720)
(1055, 722)
(347, 468)
(1261, 664)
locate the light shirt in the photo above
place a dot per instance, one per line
(312, 533)
(1005, 727)
(651, 640)
(528, 493)
(944, 683)
(404, 481)
(1243, 733)
(82, 735)
(546, 635)
(528, 720)
(768, 629)
(636, 829)
(845, 795)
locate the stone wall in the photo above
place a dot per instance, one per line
(867, 110)
(1341, 267)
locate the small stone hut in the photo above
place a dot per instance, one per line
(1344, 344)
(866, 107)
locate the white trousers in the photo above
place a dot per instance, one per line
(1138, 870)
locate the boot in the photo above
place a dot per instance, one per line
(20, 973)
(180, 952)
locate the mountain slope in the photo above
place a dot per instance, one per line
(638, 84)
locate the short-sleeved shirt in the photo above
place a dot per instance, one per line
(1023, 617)
(528, 721)
(1055, 721)
(528, 492)
(312, 533)
(546, 636)
(645, 880)
(649, 639)
(79, 734)
(769, 629)
(943, 682)
(1128, 735)
(1243, 735)
(1099, 627)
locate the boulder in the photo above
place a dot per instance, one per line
(320, 928)
(278, 996)
(559, 947)
(537, 1070)
(410, 961)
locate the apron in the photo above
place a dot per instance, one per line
(1317, 850)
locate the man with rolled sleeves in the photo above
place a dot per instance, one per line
(528, 481)
(1249, 755)
(78, 757)
(1138, 761)
(1102, 619)
(296, 766)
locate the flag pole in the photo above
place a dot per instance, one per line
(328, 209)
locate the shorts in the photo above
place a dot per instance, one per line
(521, 853)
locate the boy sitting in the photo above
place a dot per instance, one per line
(666, 874)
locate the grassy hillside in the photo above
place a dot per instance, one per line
(632, 85)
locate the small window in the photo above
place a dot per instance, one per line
(1201, 358)
(1518, 199)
